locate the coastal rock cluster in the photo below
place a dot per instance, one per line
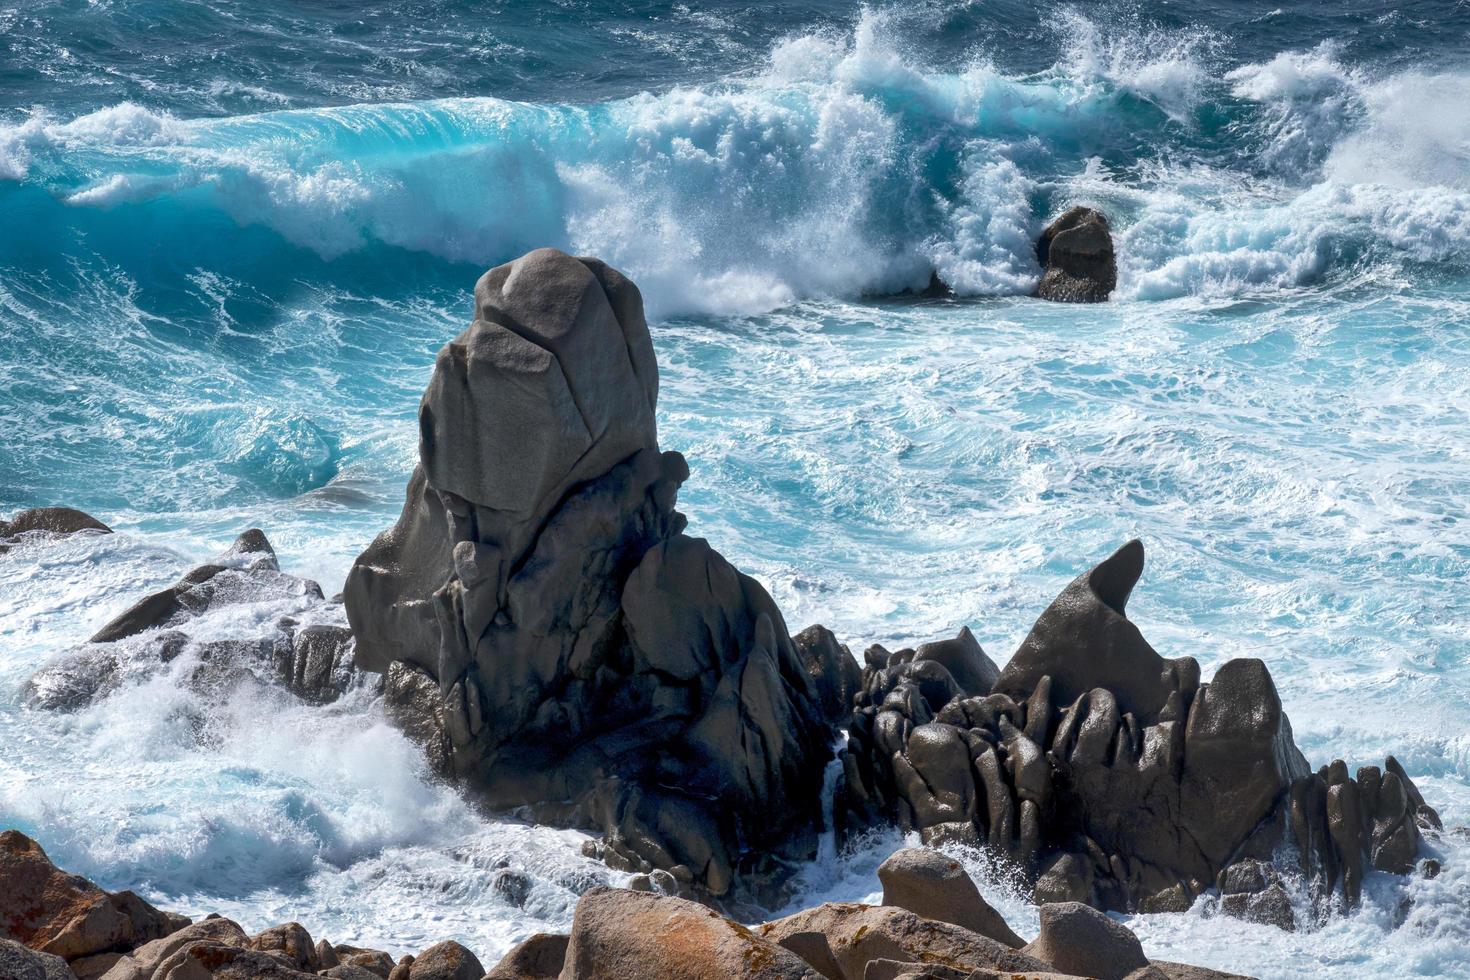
(1113, 776)
(56, 926)
(546, 626)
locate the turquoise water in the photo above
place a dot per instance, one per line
(224, 274)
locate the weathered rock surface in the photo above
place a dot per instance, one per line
(19, 962)
(1076, 254)
(857, 934)
(540, 957)
(549, 630)
(1080, 940)
(66, 915)
(1110, 775)
(625, 935)
(307, 649)
(935, 886)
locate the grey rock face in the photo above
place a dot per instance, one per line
(1076, 252)
(549, 630)
(19, 962)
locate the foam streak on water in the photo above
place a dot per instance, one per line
(221, 294)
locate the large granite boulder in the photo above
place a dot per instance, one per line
(1109, 775)
(1076, 255)
(625, 935)
(548, 629)
(935, 886)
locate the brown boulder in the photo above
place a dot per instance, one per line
(1078, 939)
(857, 934)
(446, 961)
(291, 944)
(64, 914)
(936, 887)
(624, 935)
(1076, 252)
(539, 958)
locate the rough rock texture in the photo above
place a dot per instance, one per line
(1076, 252)
(1080, 940)
(857, 934)
(625, 935)
(307, 650)
(19, 962)
(540, 957)
(1112, 776)
(934, 886)
(547, 628)
(446, 961)
(66, 915)
(150, 960)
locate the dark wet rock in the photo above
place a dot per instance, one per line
(935, 886)
(565, 647)
(834, 672)
(1076, 253)
(1109, 775)
(857, 934)
(55, 521)
(307, 650)
(973, 672)
(66, 915)
(1085, 641)
(446, 961)
(18, 962)
(623, 935)
(1080, 940)
(540, 957)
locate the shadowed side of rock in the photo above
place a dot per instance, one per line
(549, 629)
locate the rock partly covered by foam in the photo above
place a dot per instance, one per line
(546, 625)
(47, 522)
(298, 639)
(1076, 256)
(1112, 776)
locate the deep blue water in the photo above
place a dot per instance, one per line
(233, 236)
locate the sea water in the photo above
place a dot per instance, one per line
(233, 236)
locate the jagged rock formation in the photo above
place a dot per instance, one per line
(1114, 777)
(1076, 254)
(306, 649)
(546, 626)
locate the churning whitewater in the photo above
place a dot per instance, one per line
(223, 281)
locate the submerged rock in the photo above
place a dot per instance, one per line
(548, 628)
(1076, 254)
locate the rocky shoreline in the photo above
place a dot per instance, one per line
(540, 620)
(931, 925)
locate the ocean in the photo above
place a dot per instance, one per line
(234, 233)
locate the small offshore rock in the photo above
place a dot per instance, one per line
(1076, 253)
